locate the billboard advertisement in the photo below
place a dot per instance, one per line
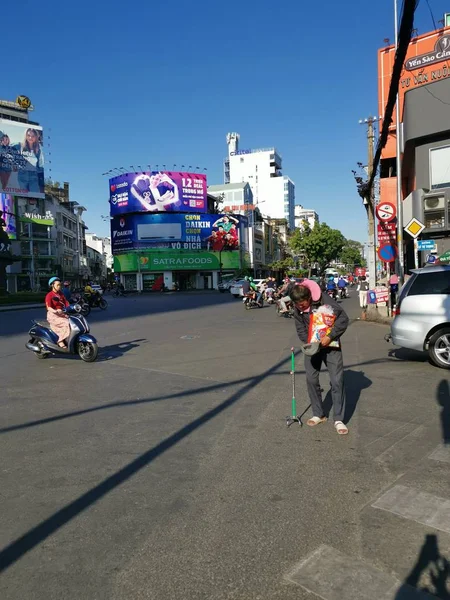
(158, 191)
(21, 159)
(8, 216)
(175, 260)
(216, 233)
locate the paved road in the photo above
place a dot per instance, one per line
(165, 470)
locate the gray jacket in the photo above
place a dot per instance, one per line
(302, 319)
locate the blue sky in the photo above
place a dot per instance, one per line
(119, 84)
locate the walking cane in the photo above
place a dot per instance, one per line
(293, 418)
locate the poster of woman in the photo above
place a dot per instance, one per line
(21, 159)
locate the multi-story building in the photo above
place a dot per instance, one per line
(305, 215)
(424, 96)
(102, 246)
(273, 193)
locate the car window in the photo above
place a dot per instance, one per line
(431, 283)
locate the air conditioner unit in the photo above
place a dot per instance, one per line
(159, 232)
(434, 203)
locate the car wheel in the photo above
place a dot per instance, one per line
(439, 348)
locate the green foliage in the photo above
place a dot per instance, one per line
(320, 245)
(283, 265)
(351, 254)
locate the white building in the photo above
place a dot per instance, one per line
(235, 197)
(102, 245)
(305, 214)
(261, 169)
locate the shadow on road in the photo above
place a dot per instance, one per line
(432, 566)
(355, 383)
(35, 536)
(443, 399)
(404, 354)
(121, 308)
(117, 350)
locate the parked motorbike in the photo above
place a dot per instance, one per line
(44, 342)
(250, 302)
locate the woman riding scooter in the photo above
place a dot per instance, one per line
(55, 303)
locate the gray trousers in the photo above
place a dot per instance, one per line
(333, 360)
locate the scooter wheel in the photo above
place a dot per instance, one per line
(88, 351)
(85, 310)
(103, 304)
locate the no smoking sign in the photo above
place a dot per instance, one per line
(386, 211)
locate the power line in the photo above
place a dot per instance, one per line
(431, 13)
(404, 39)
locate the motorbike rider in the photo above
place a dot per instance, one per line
(56, 302)
(90, 293)
(253, 288)
(342, 285)
(246, 286)
(67, 291)
(284, 293)
(331, 286)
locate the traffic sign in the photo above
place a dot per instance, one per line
(426, 245)
(387, 253)
(386, 211)
(414, 228)
(431, 259)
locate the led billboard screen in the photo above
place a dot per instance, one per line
(21, 159)
(158, 191)
(217, 233)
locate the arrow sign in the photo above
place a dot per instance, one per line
(387, 253)
(386, 211)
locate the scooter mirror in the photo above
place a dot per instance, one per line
(77, 308)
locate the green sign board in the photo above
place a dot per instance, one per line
(38, 219)
(445, 258)
(175, 260)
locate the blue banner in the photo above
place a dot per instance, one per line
(178, 232)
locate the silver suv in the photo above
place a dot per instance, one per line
(422, 320)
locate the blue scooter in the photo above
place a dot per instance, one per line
(44, 342)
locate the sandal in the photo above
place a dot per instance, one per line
(341, 428)
(313, 421)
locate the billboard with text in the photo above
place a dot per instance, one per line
(218, 233)
(158, 191)
(8, 216)
(21, 159)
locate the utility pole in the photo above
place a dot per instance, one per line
(370, 205)
(401, 258)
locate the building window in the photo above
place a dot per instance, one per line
(439, 167)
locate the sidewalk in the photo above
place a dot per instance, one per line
(24, 306)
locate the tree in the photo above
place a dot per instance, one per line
(351, 254)
(320, 245)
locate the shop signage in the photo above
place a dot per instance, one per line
(166, 260)
(426, 245)
(440, 53)
(46, 219)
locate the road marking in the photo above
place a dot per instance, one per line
(421, 507)
(441, 453)
(332, 575)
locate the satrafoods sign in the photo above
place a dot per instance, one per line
(440, 53)
(175, 261)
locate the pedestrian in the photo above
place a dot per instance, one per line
(363, 288)
(312, 306)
